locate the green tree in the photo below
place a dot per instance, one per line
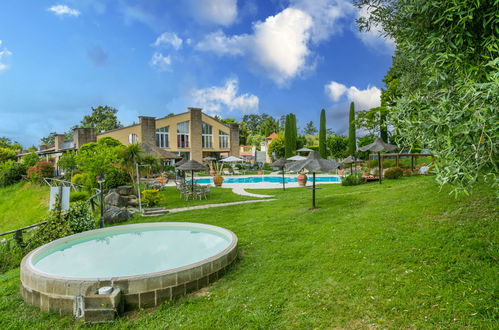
(5, 142)
(7, 154)
(68, 163)
(337, 145)
(103, 118)
(448, 83)
(294, 131)
(277, 146)
(269, 126)
(322, 135)
(351, 131)
(310, 129)
(30, 159)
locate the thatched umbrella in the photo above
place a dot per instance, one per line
(351, 160)
(156, 151)
(378, 146)
(281, 162)
(304, 149)
(313, 163)
(192, 166)
(181, 162)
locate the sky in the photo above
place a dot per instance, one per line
(154, 57)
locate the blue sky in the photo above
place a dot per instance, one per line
(153, 57)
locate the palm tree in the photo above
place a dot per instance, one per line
(131, 156)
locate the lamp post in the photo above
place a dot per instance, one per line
(100, 180)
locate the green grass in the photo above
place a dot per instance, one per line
(171, 198)
(22, 204)
(398, 255)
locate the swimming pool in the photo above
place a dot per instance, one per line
(269, 179)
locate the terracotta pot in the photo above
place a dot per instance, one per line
(302, 180)
(212, 172)
(217, 180)
(260, 172)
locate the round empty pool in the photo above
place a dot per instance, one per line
(149, 263)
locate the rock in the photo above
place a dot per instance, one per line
(124, 190)
(113, 214)
(133, 202)
(114, 199)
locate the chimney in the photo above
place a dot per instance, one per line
(83, 136)
(234, 140)
(148, 130)
(59, 140)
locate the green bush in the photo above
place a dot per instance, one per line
(55, 228)
(11, 255)
(266, 167)
(79, 217)
(30, 159)
(352, 180)
(116, 176)
(79, 179)
(393, 173)
(77, 196)
(11, 172)
(151, 196)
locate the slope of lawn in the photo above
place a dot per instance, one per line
(399, 255)
(22, 204)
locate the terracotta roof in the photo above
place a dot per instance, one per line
(272, 136)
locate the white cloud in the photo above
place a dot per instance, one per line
(168, 38)
(326, 16)
(364, 99)
(221, 44)
(4, 53)
(279, 45)
(61, 10)
(374, 38)
(161, 62)
(215, 99)
(335, 90)
(221, 12)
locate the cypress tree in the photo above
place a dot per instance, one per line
(322, 135)
(383, 130)
(351, 133)
(294, 133)
(288, 137)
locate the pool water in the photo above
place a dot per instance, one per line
(130, 251)
(272, 179)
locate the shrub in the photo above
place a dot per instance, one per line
(115, 176)
(30, 159)
(393, 173)
(55, 228)
(77, 196)
(79, 178)
(266, 167)
(11, 255)
(352, 180)
(41, 170)
(79, 217)
(151, 197)
(11, 172)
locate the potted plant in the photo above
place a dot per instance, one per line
(212, 169)
(302, 179)
(218, 178)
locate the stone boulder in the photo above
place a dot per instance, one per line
(114, 199)
(113, 214)
(124, 190)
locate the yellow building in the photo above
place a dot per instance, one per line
(192, 135)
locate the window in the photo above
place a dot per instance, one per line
(207, 135)
(183, 134)
(162, 139)
(224, 140)
(132, 138)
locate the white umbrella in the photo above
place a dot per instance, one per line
(231, 159)
(297, 157)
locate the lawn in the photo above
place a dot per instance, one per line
(171, 198)
(22, 204)
(399, 255)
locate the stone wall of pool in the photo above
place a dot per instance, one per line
(60, 294)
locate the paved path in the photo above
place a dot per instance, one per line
(207, 206)
(240, 191)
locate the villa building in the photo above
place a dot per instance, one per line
(191, 135)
